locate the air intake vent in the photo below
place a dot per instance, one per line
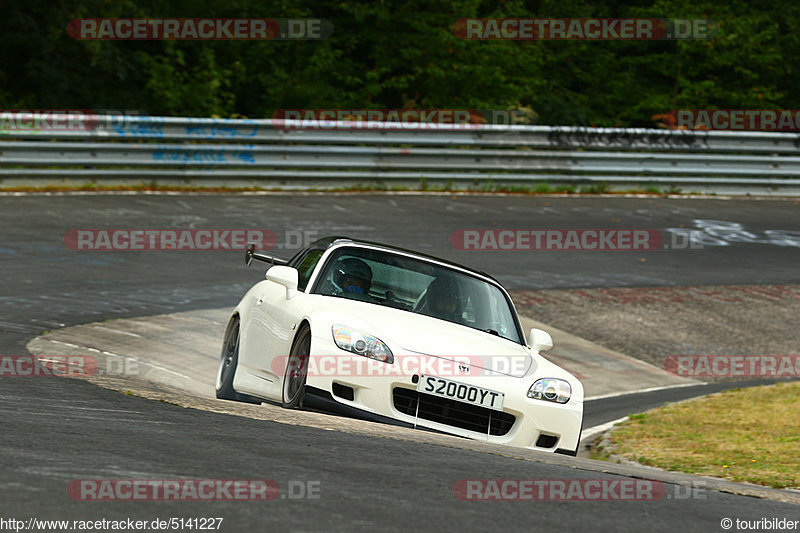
(546, 441)
(343, 391)
(452, 412)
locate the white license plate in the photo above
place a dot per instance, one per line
(461, 392)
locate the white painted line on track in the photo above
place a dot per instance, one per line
(65, 343)
(130, 334)
(139, 361)
(591, 432)
(651, 389)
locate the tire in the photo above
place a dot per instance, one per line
(294, 382)
(229, 360)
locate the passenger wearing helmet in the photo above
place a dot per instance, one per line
(353, 276)
(444, 300)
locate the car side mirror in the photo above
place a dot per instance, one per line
(286, 276)
(540, 340)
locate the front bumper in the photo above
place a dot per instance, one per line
(386, 392)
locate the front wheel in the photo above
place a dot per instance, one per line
(294, 381)
(229, 359)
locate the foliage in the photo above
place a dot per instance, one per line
(404, 54)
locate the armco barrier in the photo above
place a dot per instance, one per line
(116, 146)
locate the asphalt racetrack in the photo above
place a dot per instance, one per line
(55, 431)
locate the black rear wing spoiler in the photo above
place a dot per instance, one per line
(251, 254)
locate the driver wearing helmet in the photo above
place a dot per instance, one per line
(353, 276)
(444, 300)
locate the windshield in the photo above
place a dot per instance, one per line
(417, 286)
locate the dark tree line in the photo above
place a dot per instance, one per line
(404, 54)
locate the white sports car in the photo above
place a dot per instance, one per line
(400, 336)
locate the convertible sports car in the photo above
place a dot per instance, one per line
(402, 336)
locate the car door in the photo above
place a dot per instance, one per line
(272, 326)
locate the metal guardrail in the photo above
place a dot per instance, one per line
(196, 148)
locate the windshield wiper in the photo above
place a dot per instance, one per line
(492, 331)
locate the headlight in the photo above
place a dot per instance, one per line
(360, 343)
(551, 390)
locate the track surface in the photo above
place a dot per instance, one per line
(54, 432)
(603, 410)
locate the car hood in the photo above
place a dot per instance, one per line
(425, 335)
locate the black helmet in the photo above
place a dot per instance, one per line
(353, 275)
(445, 298)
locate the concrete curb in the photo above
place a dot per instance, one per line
(144, 340)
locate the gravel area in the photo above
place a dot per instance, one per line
(652, 324)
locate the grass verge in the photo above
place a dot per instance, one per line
(744, 435)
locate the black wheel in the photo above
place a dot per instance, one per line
(294, 383)
(227, 366)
